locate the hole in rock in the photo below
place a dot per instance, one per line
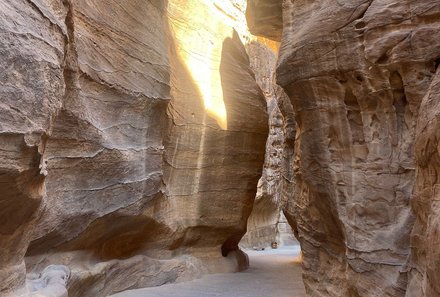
(436, 63)
(359, 78)
(360, 25)
(383, 59)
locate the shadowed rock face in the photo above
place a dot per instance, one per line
(31, 92)
(115, 158)
(275, 185)
(103, 156)
(356, 73)
(423, 277)
(265, 18)
(132, 137)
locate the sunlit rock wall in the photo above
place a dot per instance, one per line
(356, 73)
(285, 235)
(217, 130)
(131, 143)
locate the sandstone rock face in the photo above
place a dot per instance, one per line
(425, 257)
(356, 73)
(124, 156)
(273, 188)
(103, 156)
(264, 18)
(262, 223)
(285, 234)
(217, 124)
(132, 138)
(32, 42)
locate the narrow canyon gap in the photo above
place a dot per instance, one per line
(360, 75)
(140, 140)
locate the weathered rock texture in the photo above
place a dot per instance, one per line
(356, 73)
(51, 282)
(425, 256)
(274, 187)
(264, 18)
(132, 138)
(123, 155)
(32, 91)
(285, 234)
(215, 143)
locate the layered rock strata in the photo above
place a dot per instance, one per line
(264, 18)
(215, 141)
(32, 91)
(274, 187)
(356, 73)
(124, 155)
(424, 266)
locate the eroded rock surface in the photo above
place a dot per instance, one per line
(51, 283)
(274, 187)
(123, 156)
(265, 18)
(103, 156)
(356, 73)
(424, 266)
(217, 124)
(32, 45)
(132, 137)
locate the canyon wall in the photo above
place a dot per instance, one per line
(275, 187)
(356, 73)
(423, 276)
(133, 136)
(131, 143)
(217, 130)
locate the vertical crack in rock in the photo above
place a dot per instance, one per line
(70, 62)
(266, 223)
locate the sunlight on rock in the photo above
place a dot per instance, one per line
(204, 68)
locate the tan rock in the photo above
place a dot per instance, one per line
(272, 195)
(31, 92)
(356, 72)
(217, 130)
(131, 142)
(265, 18)
(424, 265)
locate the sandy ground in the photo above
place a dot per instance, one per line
(274, 273)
